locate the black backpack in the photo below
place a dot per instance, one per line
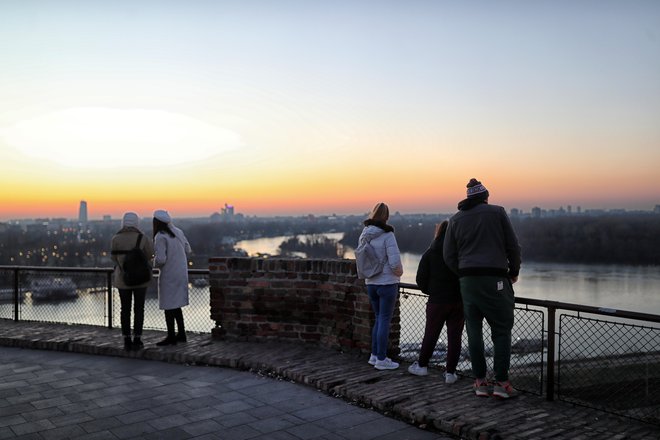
(136, 268)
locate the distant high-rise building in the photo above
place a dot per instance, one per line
(82, 212)
(536, 212)
(228, 210)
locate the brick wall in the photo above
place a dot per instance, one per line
(302, 300)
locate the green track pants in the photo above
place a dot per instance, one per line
(488, 297)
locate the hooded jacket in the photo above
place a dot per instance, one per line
(383, 241)
(125, 240)
(481, 241)
(434, 277)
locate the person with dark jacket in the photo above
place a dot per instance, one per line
(482, 248)
(122, 242)
(444, 305)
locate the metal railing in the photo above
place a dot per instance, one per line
(597, 357)
(87, 296)
(590, 356)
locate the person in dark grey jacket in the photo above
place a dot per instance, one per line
(444, 305)
(482, 248)
(122, 242)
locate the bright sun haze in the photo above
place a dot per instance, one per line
(302, 107)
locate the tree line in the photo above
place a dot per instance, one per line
(605, 239)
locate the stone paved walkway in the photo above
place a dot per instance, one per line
(50, 395)
(425, 402)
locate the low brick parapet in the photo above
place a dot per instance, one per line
(303, 300)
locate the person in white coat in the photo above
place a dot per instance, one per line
(383, 288)
(170, 256)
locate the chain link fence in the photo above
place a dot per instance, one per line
(57, 296)
(606, 359)
(79, 296)
(528, 343)
(609, 365)
(197, 315)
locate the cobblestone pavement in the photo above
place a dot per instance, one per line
(46, 395)
(60, 395)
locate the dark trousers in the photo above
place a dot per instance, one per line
(436, 316)
(127, 297)
(490, 298)
(171, 316)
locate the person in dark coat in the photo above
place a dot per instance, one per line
(444, 305)
(122, 242)
(481, 247)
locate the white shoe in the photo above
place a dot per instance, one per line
(450, 378)
(372, 359)
(386, 364)
(417, 370)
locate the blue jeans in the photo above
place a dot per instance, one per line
(383, 299)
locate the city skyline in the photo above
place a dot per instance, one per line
(229, 211)
(292, 107)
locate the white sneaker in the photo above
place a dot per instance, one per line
(450, 378)
(417, 370)
(386, 364)
(372, 359)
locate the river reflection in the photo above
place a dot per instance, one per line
(633, 288)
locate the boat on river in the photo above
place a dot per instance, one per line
(7, 294)
(53, 288)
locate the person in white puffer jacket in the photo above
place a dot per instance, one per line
(383, 288)
(170, 257)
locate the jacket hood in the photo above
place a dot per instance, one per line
(437, 243)
(129, 229)
(384, 226)
(370, 232)
(469, 203)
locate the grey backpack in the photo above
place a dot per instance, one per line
(367, 261)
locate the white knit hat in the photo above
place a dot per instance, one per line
(130, 220)
(163, 216)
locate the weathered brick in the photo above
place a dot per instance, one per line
(307, 300)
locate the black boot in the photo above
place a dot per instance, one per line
(128, 345)
(137, 343)
(169, 340)
(171, 336)
(178, 316)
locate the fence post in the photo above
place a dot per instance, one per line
(550, 385)
(109, 293)
(16, 280)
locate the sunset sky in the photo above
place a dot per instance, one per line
(303, 106)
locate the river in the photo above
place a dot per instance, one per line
(633, 288)
(630, 288)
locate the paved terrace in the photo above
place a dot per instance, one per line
(442, 411)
